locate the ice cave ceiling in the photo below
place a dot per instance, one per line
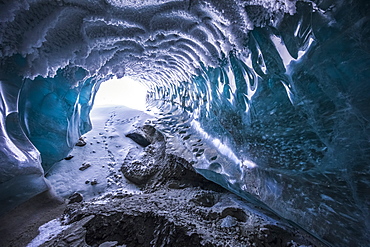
(280, 88)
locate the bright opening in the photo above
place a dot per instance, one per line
(124, 91)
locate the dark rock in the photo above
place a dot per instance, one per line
(152, 167)
(144, 229)
(140, 167)
(84, 166)
(176, 170)
(176, 185)
(69, 157)
(81, 142)
(146, 135)
(237, 213)
(206, 199)
(138, 172)
(76, 197)
(94, 182)
(139, 139)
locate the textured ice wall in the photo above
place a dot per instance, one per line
(55, 112)
(296, 113)
(20, 168)
(282, 84)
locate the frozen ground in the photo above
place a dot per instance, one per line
(94, 167)
(105, 149)
(166, 204)
(175, 206)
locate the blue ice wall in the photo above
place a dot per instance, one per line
(20, 165)
(55, 111)
(298, 109)
(42, 116)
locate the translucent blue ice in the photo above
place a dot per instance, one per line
(55, 112)
(271, 97)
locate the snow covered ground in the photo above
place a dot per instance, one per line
(94, 168)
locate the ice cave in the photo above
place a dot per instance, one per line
(277, 92)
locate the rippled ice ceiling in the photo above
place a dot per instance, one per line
(280, 89)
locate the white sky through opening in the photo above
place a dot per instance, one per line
(124, 91)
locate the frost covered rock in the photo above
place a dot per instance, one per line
(146, 135)
(139, 139)
(141, 164)
(76, 197)
(81, 142)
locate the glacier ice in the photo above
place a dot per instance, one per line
(20, 168)
(278, 90)
(65, 111)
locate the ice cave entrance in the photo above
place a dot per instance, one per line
(124, 91)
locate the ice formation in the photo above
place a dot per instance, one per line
(280, 87)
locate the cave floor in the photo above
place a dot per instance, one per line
(20, 226)
(113, 192)
(93, 169)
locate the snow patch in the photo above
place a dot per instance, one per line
(48, 231)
